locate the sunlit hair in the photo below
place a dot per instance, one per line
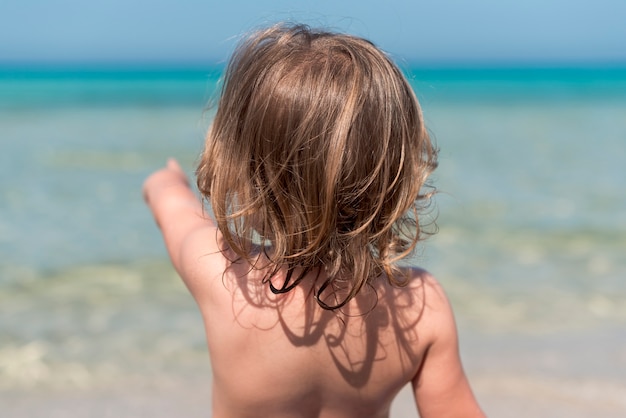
(318, 157)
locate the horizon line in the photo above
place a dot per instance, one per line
(32, 66)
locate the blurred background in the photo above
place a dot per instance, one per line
(526, 100)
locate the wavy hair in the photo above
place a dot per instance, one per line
(318, 155)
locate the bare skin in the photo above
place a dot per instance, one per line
(283, 356)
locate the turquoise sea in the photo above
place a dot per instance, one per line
(531, 214)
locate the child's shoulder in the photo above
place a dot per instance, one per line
(422, 297)
(422, 284)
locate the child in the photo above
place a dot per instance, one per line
(314, 167)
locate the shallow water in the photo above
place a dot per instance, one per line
(531, 212)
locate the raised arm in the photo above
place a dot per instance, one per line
(187, 232)
(441, 388)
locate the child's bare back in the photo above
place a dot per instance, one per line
(306, 326)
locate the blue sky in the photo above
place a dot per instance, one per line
(201, 31)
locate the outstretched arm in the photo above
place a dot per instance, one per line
(441, 387)
(179, 214)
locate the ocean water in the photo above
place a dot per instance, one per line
(531, 213)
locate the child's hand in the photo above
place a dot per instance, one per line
(171, 175)
(179, 213)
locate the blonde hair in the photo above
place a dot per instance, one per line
(318, 155)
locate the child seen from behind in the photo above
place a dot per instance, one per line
(315, 168)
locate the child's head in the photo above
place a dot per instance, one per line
(318, 151)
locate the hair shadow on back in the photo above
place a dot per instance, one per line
(380, 321)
